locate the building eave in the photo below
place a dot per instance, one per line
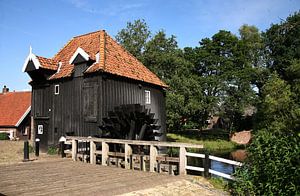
(23, 116)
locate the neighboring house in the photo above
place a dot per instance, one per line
(15, 114)
(89, 77)
(215, 122)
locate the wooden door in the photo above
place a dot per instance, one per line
(42, 133)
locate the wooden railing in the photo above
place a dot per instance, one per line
(89, 149)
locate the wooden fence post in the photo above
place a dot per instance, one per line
(74, 149)
(207, 165)
(92, 152)
(128, 152)
(105, 150)
(153, 154)
(182, 161)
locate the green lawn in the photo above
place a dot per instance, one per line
(209, 145)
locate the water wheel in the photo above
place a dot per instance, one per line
(132, 122)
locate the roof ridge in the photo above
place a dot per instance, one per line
(134, 57)
(103, 33)
(88, 33)
(62, 48)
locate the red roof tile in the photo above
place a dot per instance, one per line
(13, 105)
(47, 63)
(114, 58)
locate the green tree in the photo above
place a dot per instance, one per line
(162, 55)
(134, 37)
(282, 44)
(272, 167)
(273, 161)
(225, 75)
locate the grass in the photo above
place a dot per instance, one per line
(209, 145)
(219, 183)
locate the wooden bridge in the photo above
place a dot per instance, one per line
(142, 155)
(66, 177)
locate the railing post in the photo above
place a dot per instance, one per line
(74, 149)
(92, 152)
(142, 163)
(207, 165)
(182, 160)
(105, 150)
(26, 151)
(128, 152)
(153, 154)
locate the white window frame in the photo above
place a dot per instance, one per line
(56, 87)
(147, 99)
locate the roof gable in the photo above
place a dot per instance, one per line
(14, 107)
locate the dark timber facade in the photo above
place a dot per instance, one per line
(71, 96)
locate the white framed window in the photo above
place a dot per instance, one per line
(56, 89)
(147, 97)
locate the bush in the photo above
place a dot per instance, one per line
(4, 136)
(52, 150)
(272, 167)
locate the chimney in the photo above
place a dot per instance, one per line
(5, 89)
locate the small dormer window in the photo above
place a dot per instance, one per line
(147, 97)
(56, 89)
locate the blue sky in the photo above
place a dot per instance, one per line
(47, 25)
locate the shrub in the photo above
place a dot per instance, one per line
(52, 150)
(272, 167)
(4, 136)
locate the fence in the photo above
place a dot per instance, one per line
(143, 155)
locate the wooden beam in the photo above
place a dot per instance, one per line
(74, 149)
(137, 142)
(128, 152)
(153, 154)
(92, 152)
(182, 161)
(105, 150)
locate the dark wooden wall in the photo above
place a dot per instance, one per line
(82, 102)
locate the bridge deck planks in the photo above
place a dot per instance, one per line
(65, 177)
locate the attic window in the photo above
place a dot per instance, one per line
(56, 89)
(147, 97)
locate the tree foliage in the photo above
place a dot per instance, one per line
(134, 37)
(273, 161)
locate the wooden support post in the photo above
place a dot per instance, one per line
(182, 161)
(74, 149)
(142, 163)
(207, 165)
(128, 152)
(92, 152)
(131, 162)
(105, 150)
(153, 154)
(171, 170)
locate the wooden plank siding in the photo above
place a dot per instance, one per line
(83, 101)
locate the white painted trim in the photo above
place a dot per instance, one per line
(190, 154)
(201, 169)
(56, 93)
(23, 116)
(80, 51)
(59, 67)
(97, 57)
(146, 92)
(34, 59)
(221, 174)
(231, 162)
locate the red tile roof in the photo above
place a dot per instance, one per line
(114, 59)
(47, 63)
(13, 105)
